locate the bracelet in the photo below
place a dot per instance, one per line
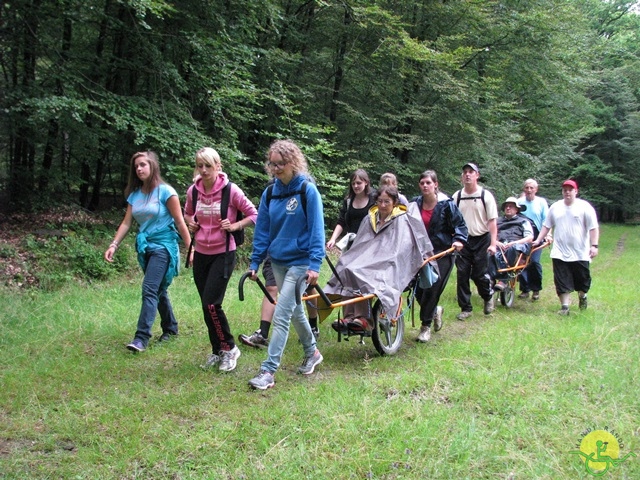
(114, 244)
(596, 246)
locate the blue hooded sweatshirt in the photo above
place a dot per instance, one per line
(284, 231)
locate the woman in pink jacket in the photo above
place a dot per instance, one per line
(215, 248)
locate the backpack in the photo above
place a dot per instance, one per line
(481, 197)
(302, 192)
(238, 235)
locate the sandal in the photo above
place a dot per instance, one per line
(360, 324)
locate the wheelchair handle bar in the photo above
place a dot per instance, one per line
(299, 283)
(260, 284)
(437, 256)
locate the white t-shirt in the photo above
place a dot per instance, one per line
(571, 226)
(476, 213)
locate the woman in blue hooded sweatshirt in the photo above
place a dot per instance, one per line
(290, 228)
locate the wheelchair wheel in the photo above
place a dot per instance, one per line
(386, 334)
(507, 296)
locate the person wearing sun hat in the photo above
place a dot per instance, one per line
(515, 235)
(576, 233)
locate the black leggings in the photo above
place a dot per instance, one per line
(430, 297)
(209, 276)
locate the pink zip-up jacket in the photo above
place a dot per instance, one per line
(210, 239)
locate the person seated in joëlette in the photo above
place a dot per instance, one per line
(386, 255)
(515, 235)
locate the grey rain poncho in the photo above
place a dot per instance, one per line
(382, 262)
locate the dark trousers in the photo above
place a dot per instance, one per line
(531, 277)
(472, 264)
(209, 277)
(430, 297)
(501, 261)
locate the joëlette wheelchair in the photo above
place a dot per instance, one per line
(511, 273)
(387, 331)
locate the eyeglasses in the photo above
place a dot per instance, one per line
(384, 202)
(279, 165)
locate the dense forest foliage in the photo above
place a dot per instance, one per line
(548, 89)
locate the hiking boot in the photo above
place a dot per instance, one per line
(524, 295)
(488, 306)
(228, 359)
(255, 340)
(564, 311)
(166, 337)
(309, 363)
(437, 319)
(500, 286)
(462, 316)
(425, 334)
(582, 302)
(263, 380)
(136, 346)
(212, 360)
(535, 296)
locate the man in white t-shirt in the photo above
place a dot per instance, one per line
(576, 233)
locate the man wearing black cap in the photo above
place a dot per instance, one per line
(576, 233)
(479, 209)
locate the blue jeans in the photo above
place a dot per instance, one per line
(287, 311)
(155, 299)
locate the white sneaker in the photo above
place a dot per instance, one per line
(425, 334)
(212, 360)
(228, 359)
(437, 319)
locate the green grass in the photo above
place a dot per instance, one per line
(506, 396)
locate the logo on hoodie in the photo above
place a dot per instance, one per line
(292, 204)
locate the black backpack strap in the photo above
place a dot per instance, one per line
(481, 197)
(269, 194)
(224, 207)
(194, 203)
(303, 196)
(302, 192)
(194, 200)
